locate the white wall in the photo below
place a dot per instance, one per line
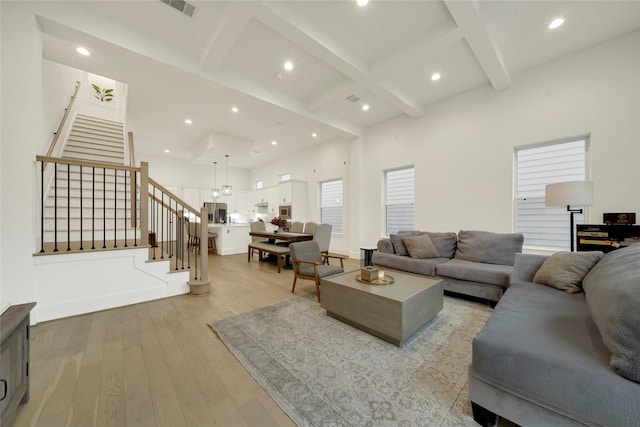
(22, 136)
(463, 147)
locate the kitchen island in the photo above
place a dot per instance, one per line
(232, 238)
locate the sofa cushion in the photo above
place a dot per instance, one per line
(612, 290)
(445, 242)
(426, 267)
(485, 246)
(565, 270)
(398, 245)
(542, 345)
(420, 247)
(477, 272)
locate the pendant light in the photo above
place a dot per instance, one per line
(226, 189)
(215, 192)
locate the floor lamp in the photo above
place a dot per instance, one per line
(570, 193)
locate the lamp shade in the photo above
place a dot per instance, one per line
(571, 193)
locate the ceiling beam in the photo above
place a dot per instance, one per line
(225, 36)
(486, 51)
(284, 20)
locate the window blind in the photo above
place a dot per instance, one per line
(400, 196)
(537, 167)
(331, 204)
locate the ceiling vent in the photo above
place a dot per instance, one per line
(353, 98)
(182, 6)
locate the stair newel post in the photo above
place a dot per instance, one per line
(202, 286)
(124, 216)
(81, 213)
(144, 204)
(134, 206)
(115, 208)
(68, 207)
(55, 207)
(104, 208)
(93, 207)
(180, 236)
(42, 207)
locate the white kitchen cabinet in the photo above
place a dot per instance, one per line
(294, 193)
(232, 238)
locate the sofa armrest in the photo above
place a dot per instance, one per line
(384, 245)
(526, 266)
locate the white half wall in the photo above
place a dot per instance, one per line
(72, 284)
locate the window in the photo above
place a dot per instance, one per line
(535, 168)
(399, 198)
(285, 177)
(259, 184)
(331, 204)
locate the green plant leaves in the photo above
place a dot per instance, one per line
(102, 95)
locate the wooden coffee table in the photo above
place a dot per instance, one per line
(391, 312)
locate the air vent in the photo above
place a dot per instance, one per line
(182, 6)
(353, 98)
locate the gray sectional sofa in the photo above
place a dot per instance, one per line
(475, 263)
(547, 357)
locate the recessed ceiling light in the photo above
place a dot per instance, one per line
(167, 151)
(314, 134)
(288, 66)
(435, 76)
(556, 23)
(234, 109)
(362, 2)
(188, 121)
(83, 51)
(274, 142)
(365, 107)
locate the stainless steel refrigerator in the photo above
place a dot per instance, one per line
(217, 212)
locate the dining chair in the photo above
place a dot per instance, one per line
(193, 232)
(257, 226)
(310, 227)
(296, 227)
(307, 264)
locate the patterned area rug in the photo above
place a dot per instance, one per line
(324, 372)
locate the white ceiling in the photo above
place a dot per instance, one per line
(230, 53)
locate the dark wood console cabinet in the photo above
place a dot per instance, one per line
(606, 238)
(14, 361)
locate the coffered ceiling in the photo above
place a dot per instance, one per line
(231, 53)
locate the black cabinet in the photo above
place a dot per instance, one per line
(14, 361)
(606, 238)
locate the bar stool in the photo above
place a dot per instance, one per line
(212, 243)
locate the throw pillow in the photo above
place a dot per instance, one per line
(398, 245)
(613, 296)
(565, 270)
(488, 247)
(420, 247)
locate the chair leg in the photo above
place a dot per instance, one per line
(279, 262)
(318, 289)
(295, 278)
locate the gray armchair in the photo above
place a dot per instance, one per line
(307, 264)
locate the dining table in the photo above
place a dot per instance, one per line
(284, 236)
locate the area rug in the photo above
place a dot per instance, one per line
(324, 372)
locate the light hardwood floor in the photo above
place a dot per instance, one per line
(157, 363)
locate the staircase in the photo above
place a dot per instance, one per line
(95, 140)
(92, 203)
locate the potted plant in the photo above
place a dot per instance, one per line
(281, 223)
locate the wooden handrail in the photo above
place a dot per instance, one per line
(176, 198)
(64, 119)
(77, 162)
